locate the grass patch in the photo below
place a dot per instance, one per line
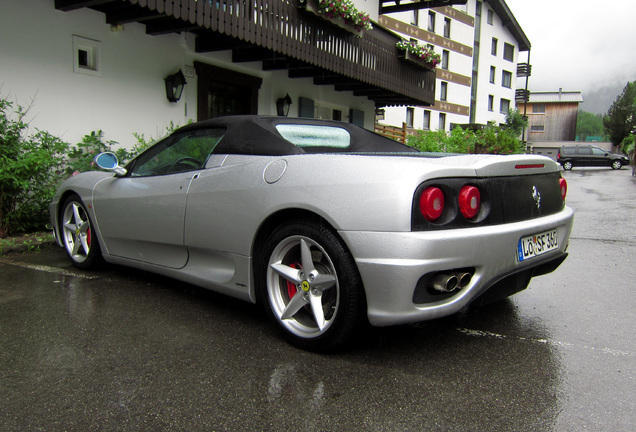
(25, 243)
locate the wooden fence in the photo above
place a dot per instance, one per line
(394, 132)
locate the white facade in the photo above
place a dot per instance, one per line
(38, 67)
(503, 96)
(470, 97)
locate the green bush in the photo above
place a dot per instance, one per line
(491, 140)
(81, 155)
(31, 167)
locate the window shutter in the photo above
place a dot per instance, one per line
(305, 107)
(356, 117)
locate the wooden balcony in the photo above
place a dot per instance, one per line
(524, 70)
(282, 36)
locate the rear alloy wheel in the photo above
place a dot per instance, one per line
(311, 289)
(77, 234)
(617, 164)
(567, 165)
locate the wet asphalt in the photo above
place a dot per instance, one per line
(125, 350)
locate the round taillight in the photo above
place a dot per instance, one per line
(469, 201)
(564, 188)
(432, 203)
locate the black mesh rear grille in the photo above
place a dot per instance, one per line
(503, 200)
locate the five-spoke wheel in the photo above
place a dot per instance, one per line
(77, 234)
(311, 288)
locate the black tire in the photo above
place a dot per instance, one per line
(567, 165)
(77, 234)
(329, 306)
(616, 164)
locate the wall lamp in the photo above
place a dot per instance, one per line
(282, 105)
(174, 86)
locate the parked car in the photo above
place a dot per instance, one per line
(589, 155)
(327, 225)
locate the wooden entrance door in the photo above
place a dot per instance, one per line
(222, 92)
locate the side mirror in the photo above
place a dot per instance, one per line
(109, 162)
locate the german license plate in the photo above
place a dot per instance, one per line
(538, 244)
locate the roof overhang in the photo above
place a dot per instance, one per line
(510, 22)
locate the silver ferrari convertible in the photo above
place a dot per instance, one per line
(327, 225)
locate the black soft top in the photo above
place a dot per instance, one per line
(257, 135)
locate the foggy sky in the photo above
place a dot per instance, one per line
(578, 45)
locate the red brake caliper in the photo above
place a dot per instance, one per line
(88, 237)
(291, 287)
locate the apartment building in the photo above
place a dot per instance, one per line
(480, 44)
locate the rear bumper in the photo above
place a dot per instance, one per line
(393, 265)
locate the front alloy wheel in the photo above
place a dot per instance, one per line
(617, 164)
(312, 288)
(77, 234)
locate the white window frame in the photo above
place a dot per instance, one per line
(92, 48)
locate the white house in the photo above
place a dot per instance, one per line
(85, 65)
(479, 43)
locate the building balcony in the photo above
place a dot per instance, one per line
(524, 70)
(284, 36)
(522, 95)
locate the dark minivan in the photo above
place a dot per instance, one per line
(589, 155)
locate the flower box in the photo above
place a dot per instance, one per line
(412, 58)
(418, 55)
(340, 13)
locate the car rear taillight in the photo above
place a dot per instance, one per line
(469, 201)
(432, 203)
(564, 188)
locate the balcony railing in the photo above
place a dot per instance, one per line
(524, 70)
(522, 95)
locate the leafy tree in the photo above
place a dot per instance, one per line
(516, 122)
(588, 124)
(621, 117)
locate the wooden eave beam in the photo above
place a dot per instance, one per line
(252, 53)
(168, 25)
(132, 14)
(210, 41)
(372, 91)
(280, 63)
(306, 71)
(350, 86)
(69, 5)
(416, 5)
(333, 79)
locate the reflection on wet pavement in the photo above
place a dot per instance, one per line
(126, 350)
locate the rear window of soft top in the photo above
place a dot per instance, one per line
(308, 136)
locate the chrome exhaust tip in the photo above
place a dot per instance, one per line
(463, 279)
(445, 283)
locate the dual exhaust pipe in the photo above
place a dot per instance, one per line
(450, 281)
